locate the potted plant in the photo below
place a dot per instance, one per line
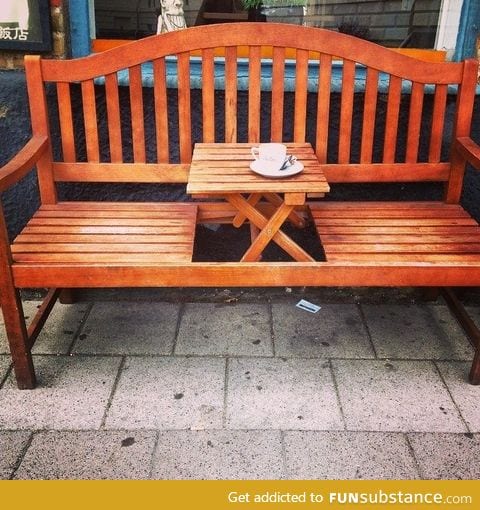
(274, 9)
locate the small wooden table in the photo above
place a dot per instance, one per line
(223, 169)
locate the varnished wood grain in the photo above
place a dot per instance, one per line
(184, 108)
(271, 34)
(399, 232)
(254, 94)
(137, 113)
(70, 245)
(90, 121)
(323, 107)
(66, 121)
(278, 91)
(231, 89)
(208, 95)
(79, 235)
(161, 110)
(113, 117)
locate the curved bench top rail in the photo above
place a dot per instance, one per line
(260, 34)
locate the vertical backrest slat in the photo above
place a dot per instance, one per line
(40, 126)
(161, 110)
(414, 122)
(323, 107)
(369, 115)
(254, 95)
(208, 95)
(90, 121)
(184, 108)
(391, 121)
(66, 122)
(278, 90)
(231, 94)
(136, 105)
(346, 111)
(301, 83)
(438, 123)
(114, 119)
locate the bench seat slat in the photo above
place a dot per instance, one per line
(394, 213)
(116, 206)
(35, 238)
(164, 246)
(417, 259)
(387, 222)
(122, 222)
(409, 238)
(71, 234)
(406, 229)
(430, 233)
(179, 213)
(89, 229)
(420, 247)
(176, 255)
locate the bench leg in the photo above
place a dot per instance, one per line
(474, 376)
(68, 296)
(431, 293)
(470, 329)
(18, 340)
(13, 317)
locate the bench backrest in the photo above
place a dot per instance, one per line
(374, 141)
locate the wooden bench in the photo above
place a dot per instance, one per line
(76, 244)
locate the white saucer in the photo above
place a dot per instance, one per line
(260, 168)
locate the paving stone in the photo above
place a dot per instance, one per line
(447, 456)
(281, 394)
(90, 455)
(465, 395)
(169, 393)
(57, 334)
(219, 454)
(72, 393)
(129, 328)
(225, 330)
(335, 331)
(348, 456)
(12, 444)
(395, 396)
(416, 332)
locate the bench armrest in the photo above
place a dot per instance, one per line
(468, 150)
(23, 161)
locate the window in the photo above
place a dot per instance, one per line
(394, 23)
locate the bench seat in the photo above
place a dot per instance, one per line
(423, 232)
(78, 233)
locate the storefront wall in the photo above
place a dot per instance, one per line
(59, 34)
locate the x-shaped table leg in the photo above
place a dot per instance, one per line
(269, 229)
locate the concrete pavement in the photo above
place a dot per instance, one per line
(243, 390)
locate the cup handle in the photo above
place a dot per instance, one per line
(255, 152)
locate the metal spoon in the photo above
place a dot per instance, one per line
(289, 161)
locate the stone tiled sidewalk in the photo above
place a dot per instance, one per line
(241, 390)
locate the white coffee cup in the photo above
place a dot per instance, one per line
(271, 154)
